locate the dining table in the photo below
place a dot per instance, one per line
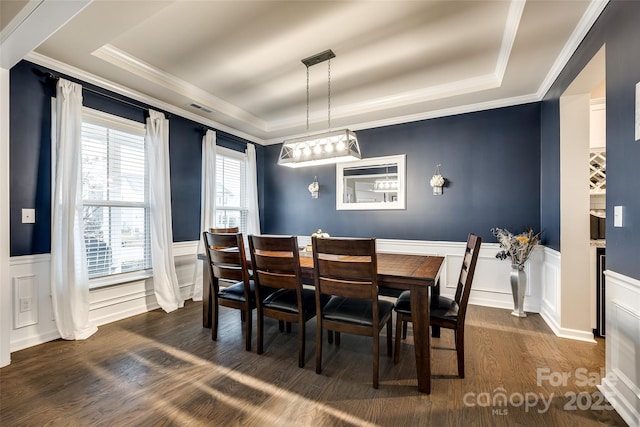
(419, 274)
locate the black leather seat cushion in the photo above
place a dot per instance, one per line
(287, 300)
(236, 291)
(442, 307)
(355, 310)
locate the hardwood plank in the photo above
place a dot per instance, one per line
(164, 369)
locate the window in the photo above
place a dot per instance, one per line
(231, 194)
(115, 195)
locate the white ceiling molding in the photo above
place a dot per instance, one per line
(408, 61)
(460, 87)
(462, 109)
(134, 65)
(510, 32)
(588, 19)
(32, 25)
(60, 67)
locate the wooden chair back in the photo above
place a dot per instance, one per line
(347, 270)
(467, 271)
(346, 267)
(275, 262)
(227, 257)
(224, 230)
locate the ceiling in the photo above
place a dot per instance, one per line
(396, 61)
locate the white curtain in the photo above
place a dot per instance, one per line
(69, 272)
(207, 203)
(253, 219)
(165, 280)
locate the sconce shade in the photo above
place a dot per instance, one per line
(320, 149)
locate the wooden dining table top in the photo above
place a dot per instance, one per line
(394, 270)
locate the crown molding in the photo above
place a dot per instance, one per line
(85, 76)
(510, 32)
(32, 25)
(586, 22)
(136, 66)
(460, 87)
(445, 112)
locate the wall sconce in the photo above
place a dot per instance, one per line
(437, 181)
(314, 187)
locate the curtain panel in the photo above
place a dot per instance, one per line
(253, 220)
(207, 204)
(165, 280)
(69, 272)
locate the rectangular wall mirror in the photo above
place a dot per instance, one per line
(371, 184)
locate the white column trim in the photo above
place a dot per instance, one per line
(5, 283)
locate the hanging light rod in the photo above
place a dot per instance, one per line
(324, 148)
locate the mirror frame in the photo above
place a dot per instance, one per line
(400, 203)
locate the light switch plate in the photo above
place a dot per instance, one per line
(28, 216)
(617, 216)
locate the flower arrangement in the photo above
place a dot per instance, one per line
(517, 247)
(437, 180)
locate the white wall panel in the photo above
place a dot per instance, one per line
(621, 386)
(106, 304)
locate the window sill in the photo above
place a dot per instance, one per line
(117, 279)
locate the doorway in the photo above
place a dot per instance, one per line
(578, 293)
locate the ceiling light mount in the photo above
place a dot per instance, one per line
(318, 58)
(324, 148)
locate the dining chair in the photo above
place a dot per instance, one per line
(276, 265)
(227, 262)
(346, 269)
(445, 312)
(224, 230)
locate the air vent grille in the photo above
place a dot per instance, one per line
(200, 107)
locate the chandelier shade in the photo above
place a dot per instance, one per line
(322, 148)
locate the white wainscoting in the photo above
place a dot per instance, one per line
(491, 286)
(621, 385)
(107, 304)
(550, 298)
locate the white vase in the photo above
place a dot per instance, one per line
(518, 289)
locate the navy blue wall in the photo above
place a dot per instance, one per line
(550, 172)
(30, 158)
(618, 29)
(491, 160)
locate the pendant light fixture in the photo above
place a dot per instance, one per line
(322, 148)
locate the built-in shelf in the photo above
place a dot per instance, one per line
(598, 172)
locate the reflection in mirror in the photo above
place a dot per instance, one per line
(376, 183)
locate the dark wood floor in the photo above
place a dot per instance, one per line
(163, 369)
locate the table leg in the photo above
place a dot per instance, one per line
(422, 341)
(435, 292)
(206, 296)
